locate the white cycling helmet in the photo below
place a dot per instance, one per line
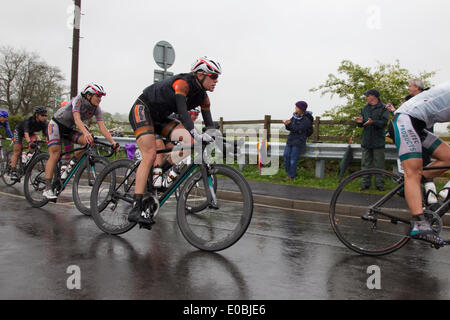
(206, 65)
(93, 88)
(196, 110)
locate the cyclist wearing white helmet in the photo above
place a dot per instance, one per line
(194, 113)
(26, 129)
(150, 115)
(412, 139)
(68, 123)
(4, 122)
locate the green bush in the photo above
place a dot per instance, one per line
(13, 121)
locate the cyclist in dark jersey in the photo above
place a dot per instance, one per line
(4, 122)
(150, 115)
(26, 129)
(65, 123)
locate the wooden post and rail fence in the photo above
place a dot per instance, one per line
(267, 122)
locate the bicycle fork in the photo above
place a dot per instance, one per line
(209, 187)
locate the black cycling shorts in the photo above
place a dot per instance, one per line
(143, 121)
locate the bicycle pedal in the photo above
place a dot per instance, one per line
(147, 226)
(435, 246)
(214, 206)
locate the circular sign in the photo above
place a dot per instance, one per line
(164, 54)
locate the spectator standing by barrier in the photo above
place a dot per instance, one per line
(299, 127)
(373, 118)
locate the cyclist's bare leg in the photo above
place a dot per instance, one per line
(54, 153)
(160, 156)
(17, 149)
(81, 141)
(413, 193)
(180, 134)
(147, 145)
(442, 156)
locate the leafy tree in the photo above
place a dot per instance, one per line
(26, 81)
(391, 80)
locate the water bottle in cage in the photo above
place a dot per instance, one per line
(138, 154)
(157, 177)
(171, 176)
(67, 169)
(24, 157)
(63, 170)
(29, 156)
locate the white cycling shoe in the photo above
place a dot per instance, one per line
(49, 194)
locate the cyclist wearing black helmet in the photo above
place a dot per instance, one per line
(4, 122)
(26, 129)
(68, 123)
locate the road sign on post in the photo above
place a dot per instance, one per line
(161, 75)
(164, 56)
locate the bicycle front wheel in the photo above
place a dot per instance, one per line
(198, 200)
(112, 197)
(34, 183)
(380, 234)
(214, 229)
(84, 181)
(6, 169)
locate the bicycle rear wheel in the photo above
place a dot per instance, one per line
(6, 169)
(34, 183)
(112, 197)
(214, 229)
(348, 204)
(84, 181)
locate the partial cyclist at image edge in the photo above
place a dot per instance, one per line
(5, 123)
(150, 114)
(68, 123)
(408, 130)
(26, 129)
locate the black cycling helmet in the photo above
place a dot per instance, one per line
(40, 110)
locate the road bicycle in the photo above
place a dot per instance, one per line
(373, 222)
(21, 165)
(84, 171)
(3, 157)
(212, 216)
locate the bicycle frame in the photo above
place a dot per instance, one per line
(86, 154)
(185, 173)
(384, 199)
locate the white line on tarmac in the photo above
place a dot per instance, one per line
(23, 197)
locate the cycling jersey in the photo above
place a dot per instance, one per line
(30, 125)
(57, 132)
(431, 106)
(7, 128)
(161, 98)
(411, 138)
(78, 104)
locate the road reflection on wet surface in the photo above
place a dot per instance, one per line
(285, 254)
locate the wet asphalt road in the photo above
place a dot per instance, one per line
(285, 254)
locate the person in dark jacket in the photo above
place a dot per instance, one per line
(298, 127)
(373, 118)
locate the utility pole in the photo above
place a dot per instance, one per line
(75, 49)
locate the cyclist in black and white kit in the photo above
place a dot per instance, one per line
(26, 129)
(411, 138)
(150, 115)
(69, 123)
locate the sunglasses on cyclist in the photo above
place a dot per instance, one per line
(213, 76)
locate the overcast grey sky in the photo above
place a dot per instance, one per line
(272, 52)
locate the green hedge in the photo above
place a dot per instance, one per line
(13, 121)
